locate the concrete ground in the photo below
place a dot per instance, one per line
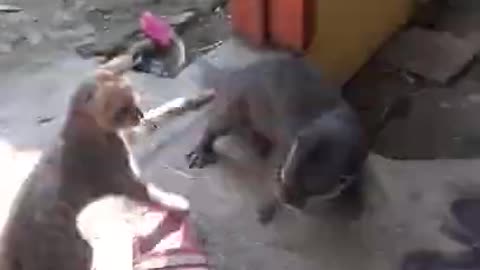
(435, 62)
(403, 208)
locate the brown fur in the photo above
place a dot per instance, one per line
(89, 160)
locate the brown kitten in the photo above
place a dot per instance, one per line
(89, 160)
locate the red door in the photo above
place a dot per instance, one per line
(283, 23)
(249, 20)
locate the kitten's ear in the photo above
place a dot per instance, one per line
(119, 65)
(105, 81)
(103, 75)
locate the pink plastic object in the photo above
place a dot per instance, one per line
(156, 29)
(181, 250)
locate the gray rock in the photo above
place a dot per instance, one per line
(443, 123)
(64, 20)
(8, 36)
(437, 56)
(34, 36)
(180, 18)
(5, 48)
(9, 8)
(85, 30)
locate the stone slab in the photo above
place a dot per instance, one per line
(437, 56)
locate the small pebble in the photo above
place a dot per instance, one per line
(400, 229)
(44, 120)
(475, 98)
(445, 105)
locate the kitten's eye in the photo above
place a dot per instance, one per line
(122, 113)
(124, 110)
(139, 113)
(88, 97)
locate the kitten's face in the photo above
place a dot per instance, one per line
(310, 177)
(124, 112)
(116, 102)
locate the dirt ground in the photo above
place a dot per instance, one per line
(404, 203)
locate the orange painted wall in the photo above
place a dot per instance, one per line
(249, 19)
(349, 32)
(290, 23)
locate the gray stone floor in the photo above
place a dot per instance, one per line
(404, 206)
(437, 66)
(404, 203)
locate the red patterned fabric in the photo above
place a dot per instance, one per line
(180, 250)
